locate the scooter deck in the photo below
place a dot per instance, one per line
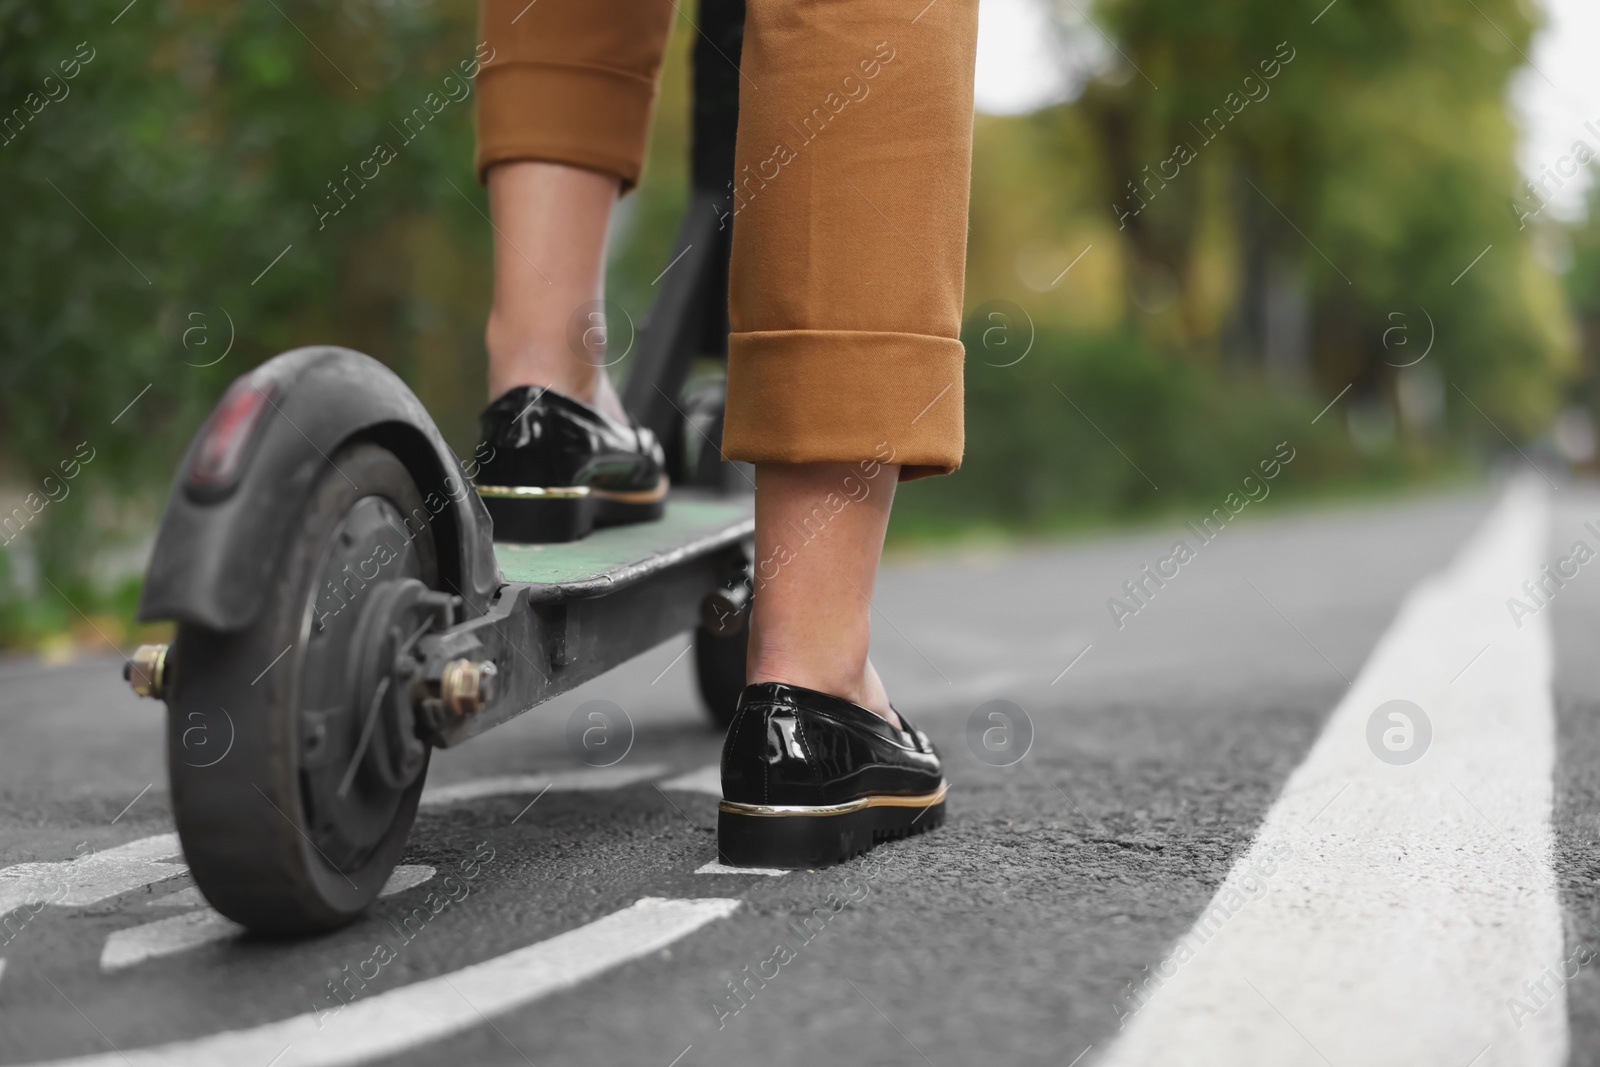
(614, 557)
(570, 612)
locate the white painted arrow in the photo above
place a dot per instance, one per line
(387, 1024)
(180, 933)
(92, 878)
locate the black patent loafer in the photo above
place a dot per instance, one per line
(810, 779)
(554, 468)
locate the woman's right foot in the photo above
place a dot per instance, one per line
(558, 467)
(810, 780)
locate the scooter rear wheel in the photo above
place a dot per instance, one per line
(295, 771)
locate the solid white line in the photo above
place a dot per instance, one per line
(1397, 927)
(179, 933)
(717, 867)
(91, 878)
(1468, 667)
(1330, 802)
(586, 780)
(387, 1024)
(707, 779)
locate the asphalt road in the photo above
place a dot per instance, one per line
(1018, 934)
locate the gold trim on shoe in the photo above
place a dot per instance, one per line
(634, 496)
(574, 492)
(534, 492)
(924, 800)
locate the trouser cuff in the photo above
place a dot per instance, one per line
(844, 396)
(589, 117)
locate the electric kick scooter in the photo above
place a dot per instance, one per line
(342, 607)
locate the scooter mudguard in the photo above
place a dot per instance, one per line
(246, 476)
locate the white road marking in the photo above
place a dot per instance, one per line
(407, 876)
(386, 1024)
(590, 778)
(167, 937)
(93, 877)
(98, 876)
(718, 867)
(707, 779)
(1398, 925)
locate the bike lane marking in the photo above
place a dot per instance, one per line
(385, 1024)
(205, 925)
(1396, 904)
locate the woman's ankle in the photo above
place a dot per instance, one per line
(542, 363)
(857, 685)
(517, 361)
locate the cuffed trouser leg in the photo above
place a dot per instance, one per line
(849, 233)
(570, 81)
(849, 201)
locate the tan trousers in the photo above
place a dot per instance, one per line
(849, 205)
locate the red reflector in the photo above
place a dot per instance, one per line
(216, 461)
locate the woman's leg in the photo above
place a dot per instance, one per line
(849, 247)
(564, 97)
(549, 263)
(819, 532)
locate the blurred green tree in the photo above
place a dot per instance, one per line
(194, 185)
(215, 183)
(1349, 162)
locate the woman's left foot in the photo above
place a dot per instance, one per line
(559, 467)
(810, 779)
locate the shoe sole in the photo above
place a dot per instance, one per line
(796, 837)
(532, 515)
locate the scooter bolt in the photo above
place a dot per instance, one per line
(146, 672)
(465, 686)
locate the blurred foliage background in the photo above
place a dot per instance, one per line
(1250, 212)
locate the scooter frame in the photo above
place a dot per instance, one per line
(481, 649)
(214, 552)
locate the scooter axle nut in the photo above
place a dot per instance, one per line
(465, 686)
(146, 672)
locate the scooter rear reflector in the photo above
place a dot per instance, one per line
(221, 453)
